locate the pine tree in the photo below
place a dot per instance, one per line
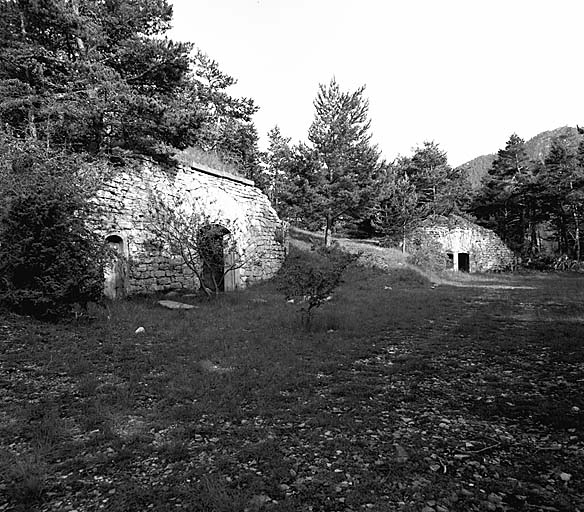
(399, 209)
(441, 189)
(89, 76)
(507, 201)
(300, 199)
(226, 122)
(100, 77)
(277, 162)
(576, 198)
(562, 183)
(348, 162)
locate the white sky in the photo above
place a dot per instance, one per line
(463, 73)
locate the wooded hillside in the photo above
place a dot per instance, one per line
(537, 148)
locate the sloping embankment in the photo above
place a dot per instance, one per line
(388, 259)
(372, 255)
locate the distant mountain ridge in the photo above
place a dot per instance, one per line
(537, 149)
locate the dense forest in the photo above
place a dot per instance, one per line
(532, 196)
(100, 78)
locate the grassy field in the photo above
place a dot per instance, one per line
(402, 395)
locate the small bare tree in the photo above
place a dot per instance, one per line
(311, 279)
(206, 246)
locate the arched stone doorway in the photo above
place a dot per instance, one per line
(116, 269)
(216, 249)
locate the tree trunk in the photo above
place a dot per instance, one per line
(32, 131)
(504, 226)
(78, 41)
(563, 236)
(535, 239)
(577, 234)
(327, 230)
(48, 130)
(22, 25)
(525, 250)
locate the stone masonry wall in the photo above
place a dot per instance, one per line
(227, 200)
(486, 250)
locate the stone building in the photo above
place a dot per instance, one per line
(143, 263)
(469, 247)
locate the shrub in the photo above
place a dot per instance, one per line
(214, 159)
(428, 254)
(50, 260)
(25, 480)
(549, 263)
(565, 263)
(309, 279)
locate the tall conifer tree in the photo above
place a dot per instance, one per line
(503, 203)
(101, 77)
(348, 161)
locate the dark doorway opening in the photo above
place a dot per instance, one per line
(463, 262)
(115, 271)
(450, 262)
(211, 246)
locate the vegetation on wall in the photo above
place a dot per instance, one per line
(226, 127)
(427, 253)
(208, 247)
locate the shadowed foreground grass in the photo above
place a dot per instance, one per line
(401, 396)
